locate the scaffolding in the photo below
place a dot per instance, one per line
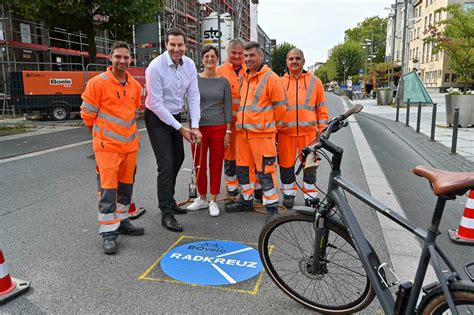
(187, 14)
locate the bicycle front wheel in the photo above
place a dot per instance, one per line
(464, 301)
(286, 246)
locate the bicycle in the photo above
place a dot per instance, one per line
(320, 257)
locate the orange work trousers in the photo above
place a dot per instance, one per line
(256, 154)
(116, 172)
(288, 148)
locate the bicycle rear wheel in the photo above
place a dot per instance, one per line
(437, 305)
(286, 245)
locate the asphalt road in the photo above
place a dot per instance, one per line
(414, 194)
(48, 229)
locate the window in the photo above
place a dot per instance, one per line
(423, 55)
(418, 33)
(430, 19)
(446, 77)
(454, 77)
(468, 6)
(416, 53)
(426, 22)
(426, 3)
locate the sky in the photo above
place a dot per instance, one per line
(315, 26)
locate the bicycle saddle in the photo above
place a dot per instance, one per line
(445, 182)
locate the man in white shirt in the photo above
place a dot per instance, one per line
(169, 79)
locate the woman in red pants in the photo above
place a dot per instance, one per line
(216, 115)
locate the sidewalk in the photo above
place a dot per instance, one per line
(443, 133)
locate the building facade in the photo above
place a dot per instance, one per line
(433, 69)
(187, 14)
(267, 45)
(393, 47)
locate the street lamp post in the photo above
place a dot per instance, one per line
(344, 70)
(404, 42)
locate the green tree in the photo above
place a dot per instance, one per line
(322, 73)
(348, 57)
(373, 28)
(89, 16)
(279, 57)
(456, 40)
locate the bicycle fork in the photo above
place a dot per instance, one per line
(318, 265)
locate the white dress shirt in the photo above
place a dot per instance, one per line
(166, 87)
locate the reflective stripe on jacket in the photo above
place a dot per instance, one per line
(307, 110)
(262, 104)
(227, 71)
(110, 108)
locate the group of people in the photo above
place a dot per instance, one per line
(241, 113)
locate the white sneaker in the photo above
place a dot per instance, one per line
(198, 204)
(213, 209)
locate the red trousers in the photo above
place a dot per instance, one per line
(212, 141)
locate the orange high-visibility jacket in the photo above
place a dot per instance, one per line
(110, 108)
(262, 104)
(227, 71)
(307, 110)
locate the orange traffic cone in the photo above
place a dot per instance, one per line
(9, 287)
(135, 212)
(465, 233)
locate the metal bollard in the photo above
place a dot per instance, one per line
(455, 130)
(408, 113)
(433, 122)
(398, 109)
(418, 118)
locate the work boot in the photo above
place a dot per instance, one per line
(258, 195)
(233, 193)
(271, 212)
(127, 228)
(237, 207)
(311, 201)
(110, 246)
(288, 201)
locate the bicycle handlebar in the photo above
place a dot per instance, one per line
(334, 125)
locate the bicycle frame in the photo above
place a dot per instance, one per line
(337, 185)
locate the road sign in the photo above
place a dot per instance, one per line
(212, 262)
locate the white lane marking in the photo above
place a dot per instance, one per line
(224, 274)
(37, 153)
(235, 252)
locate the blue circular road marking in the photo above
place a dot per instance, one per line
(212, 262)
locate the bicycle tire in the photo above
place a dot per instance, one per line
(437, 305)
(340, 252)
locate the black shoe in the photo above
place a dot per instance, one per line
(109, 246)
(237, 207)
(311, 202)
(288, 201)
(233, 193)
(127, 228)
(271, 212)
(169, 222)
(258, 195)
(178, 210)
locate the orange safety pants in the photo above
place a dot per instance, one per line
(288, 148)
(231, 182)
(256, 154)
(115, 177)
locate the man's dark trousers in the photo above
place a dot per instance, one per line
(167, 144)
